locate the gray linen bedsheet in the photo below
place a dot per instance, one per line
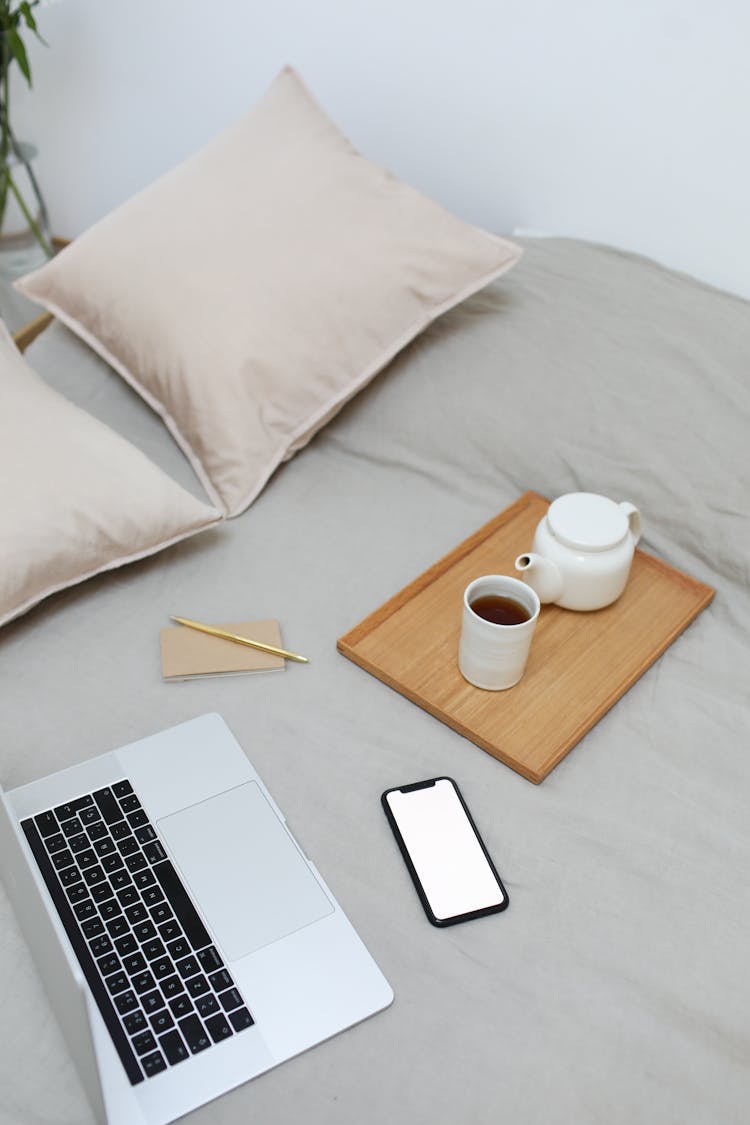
(616, 987)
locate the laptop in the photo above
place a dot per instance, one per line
(186, 942)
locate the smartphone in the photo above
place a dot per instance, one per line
(451, 868)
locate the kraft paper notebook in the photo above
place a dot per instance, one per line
(188, 655)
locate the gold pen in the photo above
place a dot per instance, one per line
(214, 632)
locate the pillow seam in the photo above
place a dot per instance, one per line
(359, 381)
(125, 560)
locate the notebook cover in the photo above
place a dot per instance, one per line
(187, 654)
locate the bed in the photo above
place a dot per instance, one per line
(615, 988)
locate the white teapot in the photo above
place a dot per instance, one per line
(582, 551)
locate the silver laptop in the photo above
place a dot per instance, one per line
(186, 942)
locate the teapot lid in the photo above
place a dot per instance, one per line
(587, 522)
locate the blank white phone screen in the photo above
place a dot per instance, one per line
(442, 845)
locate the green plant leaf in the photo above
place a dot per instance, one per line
(25, 10)
(19, 52)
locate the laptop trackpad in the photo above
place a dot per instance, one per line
(245, 873)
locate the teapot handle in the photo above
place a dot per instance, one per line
(634, 519)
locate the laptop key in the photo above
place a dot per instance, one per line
(154, 852)
(46, 822)
(126, 1002)
(110, 963)
(108, 806)
(170, 986)
(134, 1022)
(230, 999)
(87, 858)
(94, 875)
(118, 982)
(144, 931)
(152, 895)
(130, 802)
(82, 803)
(100, 945)
(197, 986)
(210, 959)
(112, 862)
(152, 1001)
(161, 912)
(101, 892)
(77, 892)
(195, 1034)
(98, 830)
(181, 1005)
(70, 875)
(207, 1005)
(188, 967)
(122, 788)
(143, 982)
(218, 1028)
(79, 843)
(144, 879)
(143, 1043)
(161, 1021)
(125, 945)
(62, 812)
(119, 879)
(221, 980)
(55, 843)
(136, 862)
(89, 815)
(170, 930)
(117, 927)
(173, 1047)
(134, 963)
(92, 926)
(240, 1018)
(162, 967)
(62, 859)
(110, 908)
(72, 827)
(178, 948)
(153, 1064)
(84, 910)
(121, 830)
(154, 948)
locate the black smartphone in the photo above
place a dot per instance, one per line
(451, 868)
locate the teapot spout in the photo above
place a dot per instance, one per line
(542, 575)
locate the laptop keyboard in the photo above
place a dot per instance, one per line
(161, 986)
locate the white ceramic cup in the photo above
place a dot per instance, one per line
(493, 656)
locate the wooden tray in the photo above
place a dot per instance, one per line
(579, 665)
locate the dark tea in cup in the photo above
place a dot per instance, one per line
(500, 610)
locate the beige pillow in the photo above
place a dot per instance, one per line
(77, 498)
(251, 291)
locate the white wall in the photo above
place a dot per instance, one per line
(622, 121)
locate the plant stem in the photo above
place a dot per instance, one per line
(6, 129)
(33, 225)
